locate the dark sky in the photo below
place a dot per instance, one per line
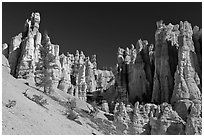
(97, 28)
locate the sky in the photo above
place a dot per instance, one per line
(97, 28)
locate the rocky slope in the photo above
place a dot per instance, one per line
(154, 89)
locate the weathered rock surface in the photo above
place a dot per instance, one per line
(29, 48)
(65, 82)
(164, 71)
(186, 78)
(194, 120)
(166, 122)
(36, 59)
(5, 64)
(52, 66)
(105, 79)
(90, 74)
(197, 40)
(5, 50)
(134, 71)
(169, 71)
(14, 53)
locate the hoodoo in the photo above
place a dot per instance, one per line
(152, 88)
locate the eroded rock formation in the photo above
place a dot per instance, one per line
(29, 45)
(5, 50)
(14, 52)
(52, 65)
(164, 71)
(134, 71)
(168, 74)
(5, 64)
(33, 57)
(197, 40)
(166, 121)
(186, 89)
(186, 79)
(175, 61)
(194, 119)
(65, 81)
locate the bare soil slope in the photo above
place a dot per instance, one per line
(21, 115)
